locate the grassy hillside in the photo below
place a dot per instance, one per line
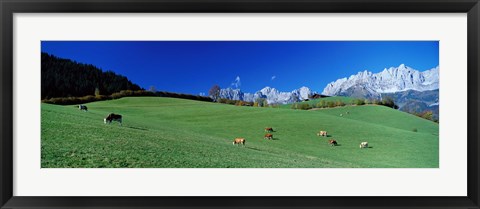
(173, 133)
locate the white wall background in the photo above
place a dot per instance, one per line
(448, 180)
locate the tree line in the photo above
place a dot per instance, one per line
(329, 104)
(67, 78)
(67, 82)
(120, 94)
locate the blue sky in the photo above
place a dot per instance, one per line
(195, 66)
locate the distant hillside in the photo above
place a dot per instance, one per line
(404, 97)
(416, 101)
(314, 102)
(67, 78)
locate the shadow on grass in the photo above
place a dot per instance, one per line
(253, 148)
(136, 128)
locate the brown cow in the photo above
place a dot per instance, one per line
(268, 129)
(332, 142)
(268, 136)
(239, 141)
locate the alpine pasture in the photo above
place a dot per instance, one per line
(159, 132)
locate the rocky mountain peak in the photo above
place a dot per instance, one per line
(393, 79)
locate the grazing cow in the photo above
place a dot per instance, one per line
(364, 145)
(268, 136)
(322, 133)
(83, 107)
(269, 129)
(239, 141)
(332, 142)
(113, 117)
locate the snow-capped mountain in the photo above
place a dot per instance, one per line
(272, 95)
(391, 80)
(234, 94)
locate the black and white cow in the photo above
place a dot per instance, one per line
(83, 107)
(113, 117)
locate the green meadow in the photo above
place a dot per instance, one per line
(159, 132)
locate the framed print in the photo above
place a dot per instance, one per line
(239, 104)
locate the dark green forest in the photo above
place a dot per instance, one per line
(68, 78)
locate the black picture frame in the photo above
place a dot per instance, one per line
(10, 7)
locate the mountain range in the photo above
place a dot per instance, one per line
(272, 95)
(394, 79)
(412, 90)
